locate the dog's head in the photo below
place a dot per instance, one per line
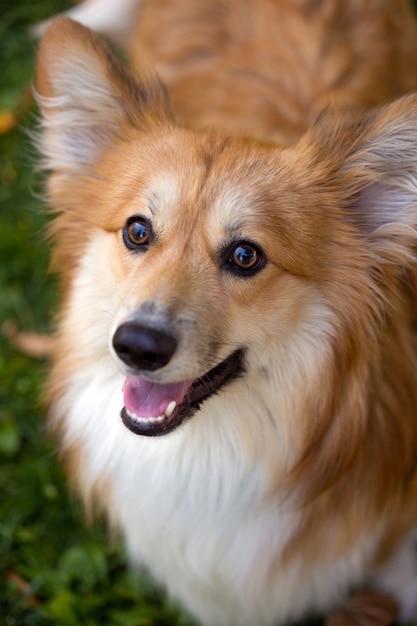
(199, 260)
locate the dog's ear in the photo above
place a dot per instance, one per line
(371, 160)
(87, 99)
(381, 169)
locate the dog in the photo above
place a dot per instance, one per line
(234, 378)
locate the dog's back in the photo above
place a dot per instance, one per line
(268, 67)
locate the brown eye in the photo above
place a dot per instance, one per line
(246, 258)
(137, 233)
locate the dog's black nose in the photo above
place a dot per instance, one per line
(143, 347)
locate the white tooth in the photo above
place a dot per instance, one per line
(145, 420)
(170, 408)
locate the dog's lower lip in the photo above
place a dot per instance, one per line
(201, 389)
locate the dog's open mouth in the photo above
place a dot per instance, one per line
(157, 409)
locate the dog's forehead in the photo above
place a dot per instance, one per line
(215, 216)
(223, 197)
(227, 189)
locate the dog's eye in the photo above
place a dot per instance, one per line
(137, 233)
(246, 258)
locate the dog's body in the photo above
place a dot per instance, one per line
(250, 306)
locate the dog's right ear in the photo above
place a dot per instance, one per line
(87, 99)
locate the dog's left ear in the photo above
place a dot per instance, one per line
(87, 99)
(371, 162)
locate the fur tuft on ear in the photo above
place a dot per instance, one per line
(383, 167)
(87, 99)
(372, 158)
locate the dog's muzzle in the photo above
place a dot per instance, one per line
(157, 408)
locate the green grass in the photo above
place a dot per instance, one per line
(53, 568)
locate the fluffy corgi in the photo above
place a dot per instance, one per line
(235, 363)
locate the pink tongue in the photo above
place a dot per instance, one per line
(147, 399)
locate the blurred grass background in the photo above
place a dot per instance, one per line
(53, 569)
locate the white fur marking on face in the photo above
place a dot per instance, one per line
(166, 195)
(231, 208)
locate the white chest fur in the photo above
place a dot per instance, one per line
(192, 508)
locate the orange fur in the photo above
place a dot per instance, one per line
(285, 60)
(335, 214)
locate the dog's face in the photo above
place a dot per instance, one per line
(195, 260)
(198, 261)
